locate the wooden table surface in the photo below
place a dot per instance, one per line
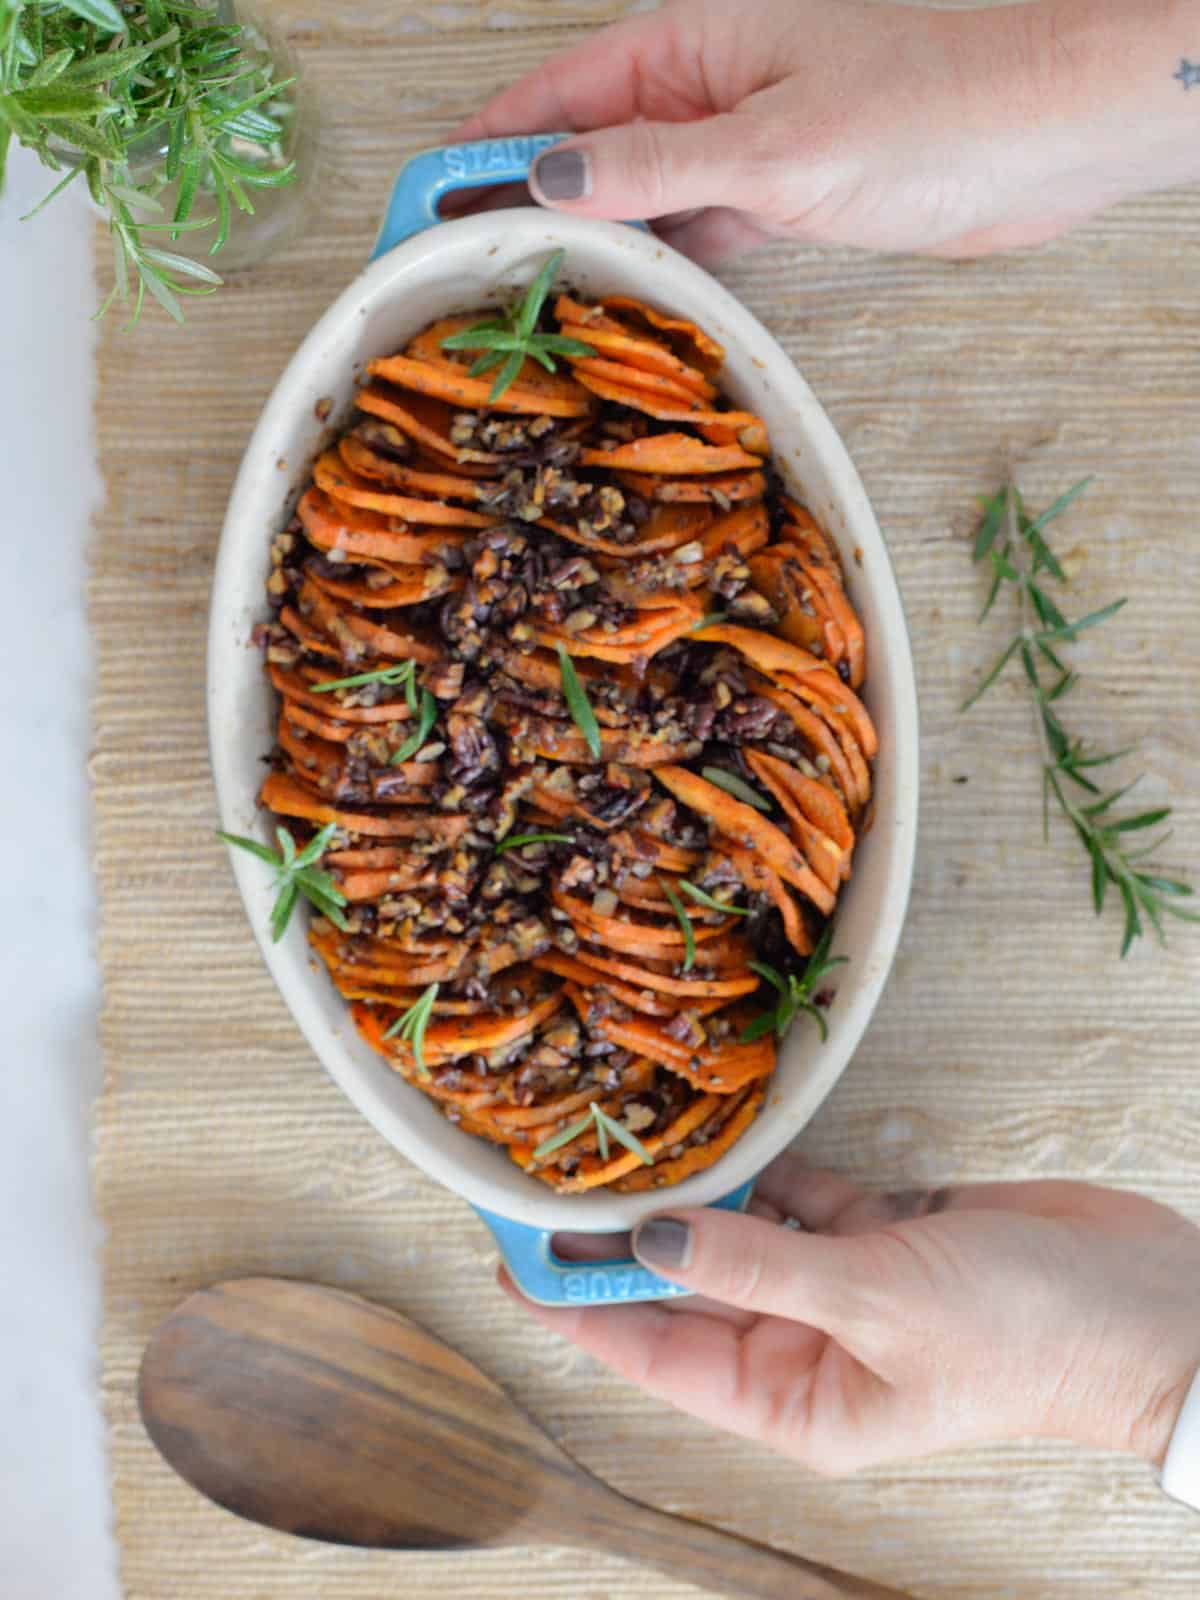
(1010, 1042)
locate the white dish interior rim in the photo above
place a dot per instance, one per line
(502, 248)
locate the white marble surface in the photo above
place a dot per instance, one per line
(54, 1516)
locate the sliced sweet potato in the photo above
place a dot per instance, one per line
(733, 428)
(717, 1071)
(816, 800)
(828, 860)
(812, 607)
(671, 454)
(562, 741)
(358, 637)
(757, 875)
(535, 392)
(300, 716)
(369, 534)
(667, 528)
(730, 487)
(361, 886)
(423, 418)
(776, 578)
(737, 427)
(416, 586)
(851, 777)
(291, 799)
(594, 1172)
(416, 968)
(415, 476)
(313, 640)
(798, 670)
(746, 528)
(726, 1128)
(621, 933)
(331, 474)
(628, 352)
(689, 341)
(626, 376)
(295, 687)
(457, 1037)
(803, 528)
(640, 845)
(747, 827)
(686, 989)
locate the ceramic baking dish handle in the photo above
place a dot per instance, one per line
(551, 1281)
(433, 173)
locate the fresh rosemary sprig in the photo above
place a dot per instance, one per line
(606, 1127)
(737, 787)
(518, 841)
(429, 711)
(795, 993)
(703, 898)
(401, 673)
(296, 874)
(1022, 561)
(94, 87)
(410, 1025)
(507, 339)
(685, 923)
(578, 703)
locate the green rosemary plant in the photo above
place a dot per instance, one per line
(134, 96)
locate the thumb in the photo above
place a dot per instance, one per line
(648, 169)
(759, 1266)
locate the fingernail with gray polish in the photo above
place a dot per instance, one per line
(664, 1242)
(563, 175)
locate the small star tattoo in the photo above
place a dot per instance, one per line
(1188, 74)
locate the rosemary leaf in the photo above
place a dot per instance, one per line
(685, 923)
(1146, 897)
(703, 898)
(578, 703)
(429, 711)
(622, 1134)
(737, 787)
(518, 841)
(410, 1025)
(508, 339)
(562, 1137)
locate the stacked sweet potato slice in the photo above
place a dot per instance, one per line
(577, 686)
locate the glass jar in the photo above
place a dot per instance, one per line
(279, 212)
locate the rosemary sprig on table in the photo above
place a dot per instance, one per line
(578, 703)
(606, 1127)
(410, 1025)
(1021, 561)
(796, 994)
(94, 87)
(508, 338)
(296, 874)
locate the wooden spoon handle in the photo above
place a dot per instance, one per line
(722, 1562)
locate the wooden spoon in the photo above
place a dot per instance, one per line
(317, 1413)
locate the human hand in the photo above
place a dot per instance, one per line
(889, 127)
(899, 1325)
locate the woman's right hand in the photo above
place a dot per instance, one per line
(886, 1326)
(890, 127)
